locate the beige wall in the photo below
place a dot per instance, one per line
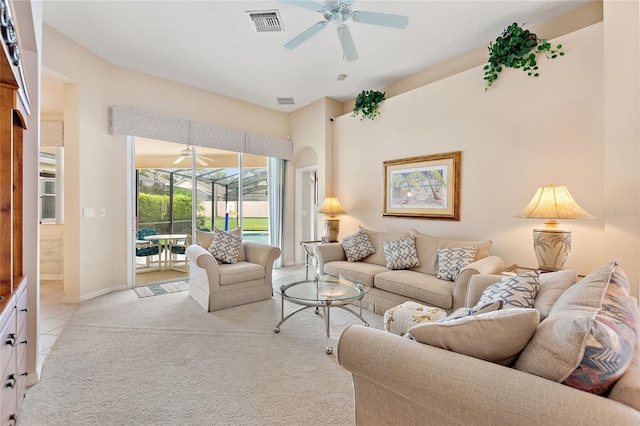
(95, 161)
(521, 134)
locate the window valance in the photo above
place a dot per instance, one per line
(51, 133)
(133, 122)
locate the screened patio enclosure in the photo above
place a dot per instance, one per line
(164, 200)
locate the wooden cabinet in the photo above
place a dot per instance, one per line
(14, 100)
(13, 351)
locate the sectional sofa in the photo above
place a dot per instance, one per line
(420, 283)
(580, 365)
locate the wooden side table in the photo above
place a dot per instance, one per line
(310, 255)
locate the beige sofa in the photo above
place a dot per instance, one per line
(216, 285)
(419, 284)
(400, 381)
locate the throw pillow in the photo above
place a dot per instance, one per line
(205, 238)
(377, 238)
(401, 254)
(587, 340)
(357, 246)
(452, 260)
(476, 310)
(518, 291)
(496, 336)
(552, 285)
(428, 245)
(225, 246)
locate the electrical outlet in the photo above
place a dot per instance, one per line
(89, 212)
(103, 212)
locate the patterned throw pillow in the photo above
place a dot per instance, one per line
(401, 254)
(518, 291)
(225, 246)
(587, 341)
(357, 246)
(476, 310)
(452, 260)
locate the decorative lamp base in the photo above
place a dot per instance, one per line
(331, 229)
(552, 247)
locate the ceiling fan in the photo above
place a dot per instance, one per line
(338, 13)
(187, 153)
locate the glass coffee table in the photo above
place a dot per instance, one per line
(321, 292)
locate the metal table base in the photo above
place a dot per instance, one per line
(326, 306)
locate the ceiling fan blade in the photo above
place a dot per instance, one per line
(201, 161)
(179, 159)
(305, 35)
(207, 158)
(349, 49)
(311, 5)
(383, 19)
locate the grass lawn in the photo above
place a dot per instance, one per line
(248, 223)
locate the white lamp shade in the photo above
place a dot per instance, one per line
(553, 202)
(331, 206)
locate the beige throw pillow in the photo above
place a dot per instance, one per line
(496, 336)
(552, 285)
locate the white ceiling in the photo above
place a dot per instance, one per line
(213, 45)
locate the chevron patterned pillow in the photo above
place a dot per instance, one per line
(357, 246)
(518, 291)
(401, 254)
(452, 260)
(225, 246)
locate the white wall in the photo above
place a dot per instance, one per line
(520, 134)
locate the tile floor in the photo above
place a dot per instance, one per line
(54, 314)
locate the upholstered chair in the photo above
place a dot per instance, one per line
(216, 285)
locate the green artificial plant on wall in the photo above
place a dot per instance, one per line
(367, 103)
(517, 48)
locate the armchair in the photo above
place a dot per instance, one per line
(216, 285)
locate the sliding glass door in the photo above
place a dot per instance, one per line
(230, 191)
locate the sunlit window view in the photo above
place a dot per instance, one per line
(231, 192)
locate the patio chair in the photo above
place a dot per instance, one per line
(148, 248)
(175, 250)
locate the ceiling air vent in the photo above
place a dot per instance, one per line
(265, 20)
(285, 101)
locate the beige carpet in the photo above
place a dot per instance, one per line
(122, 360)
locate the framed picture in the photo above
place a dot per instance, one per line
(426, 187)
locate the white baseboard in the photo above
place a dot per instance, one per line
(94, 294)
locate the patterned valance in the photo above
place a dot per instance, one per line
(52, 133)
(133, 122)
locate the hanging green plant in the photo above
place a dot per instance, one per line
(517, 48)
(367, 103)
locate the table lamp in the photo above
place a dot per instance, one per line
(331, 207)
(551, 243)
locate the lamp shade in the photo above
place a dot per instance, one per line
(553, 202)
(331, 206)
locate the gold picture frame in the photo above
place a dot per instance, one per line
(423, 187)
